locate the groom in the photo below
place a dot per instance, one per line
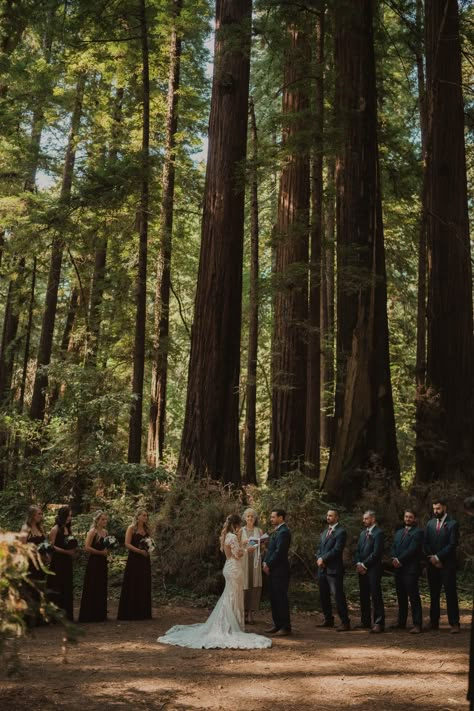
(276, 566)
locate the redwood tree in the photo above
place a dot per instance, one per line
(210, 442)
(136, 409)
(448, 450)
(313, 397)
(250, 471)
(291, 252)
(157, 416)
(365, 442)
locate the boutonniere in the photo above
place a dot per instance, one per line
(445, 525)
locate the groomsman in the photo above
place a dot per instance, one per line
(277, 567)
(331, 572)
(368, 562)
(441, 541)
(406, 555)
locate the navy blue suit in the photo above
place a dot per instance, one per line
(408, 548)
(279, 578)
(331, 577)
(442, 543)
(369, 552)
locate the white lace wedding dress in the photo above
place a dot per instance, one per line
(224, 628)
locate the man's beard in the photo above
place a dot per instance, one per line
(439, 515)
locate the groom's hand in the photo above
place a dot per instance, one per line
(266, 569)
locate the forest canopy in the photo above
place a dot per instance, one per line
(234, 244)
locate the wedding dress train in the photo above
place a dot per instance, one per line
(224, 627)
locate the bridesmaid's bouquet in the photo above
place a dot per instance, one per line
(70, 543)
(147, 544)
(110, 542)
(45, 548)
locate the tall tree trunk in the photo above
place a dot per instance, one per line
(157, 417)
(65, 345)
(29, 325)
(448, 450)
(38, 400)
(95, 300)
(364, 449)
(10, 330)
(100, 254)
(420, 367)
(327, 308)
(313, 397)
(250, 470)
(210, 442)
(289, 357)
(135, 426)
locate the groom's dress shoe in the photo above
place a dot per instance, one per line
(271, 631)
(282, 633)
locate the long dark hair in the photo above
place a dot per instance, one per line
(61, 518)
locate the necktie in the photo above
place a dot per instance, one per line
(438, 526)
(329, 532)
(367, 534)
(405, 532)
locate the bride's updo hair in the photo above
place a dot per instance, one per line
(229, 525)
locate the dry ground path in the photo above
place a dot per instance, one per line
(120, 666)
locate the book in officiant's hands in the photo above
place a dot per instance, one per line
(254, 541)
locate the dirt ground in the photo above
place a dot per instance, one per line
(119, 665)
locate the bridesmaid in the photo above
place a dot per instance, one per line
(94, 592)
(135, 598)
(62, 562)
(32, 532)
(252, 566)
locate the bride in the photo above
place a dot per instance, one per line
(224, 628)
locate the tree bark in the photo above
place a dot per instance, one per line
(157, 415)
(365, 448)
(447, 449)
(313, 397)
(421, 314)
(135, 425)
(250, 447)
(327, 308)
(38, 401)
(29, 325)
(289, 357)
(10, 330)
(66, 343)
(210, 442)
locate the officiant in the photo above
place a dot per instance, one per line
(250, 538)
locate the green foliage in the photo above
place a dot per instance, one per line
(22, 600)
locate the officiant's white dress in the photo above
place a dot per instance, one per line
(224, 629)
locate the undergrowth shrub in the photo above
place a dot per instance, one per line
(193, 511)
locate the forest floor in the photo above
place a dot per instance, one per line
(119, 665)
